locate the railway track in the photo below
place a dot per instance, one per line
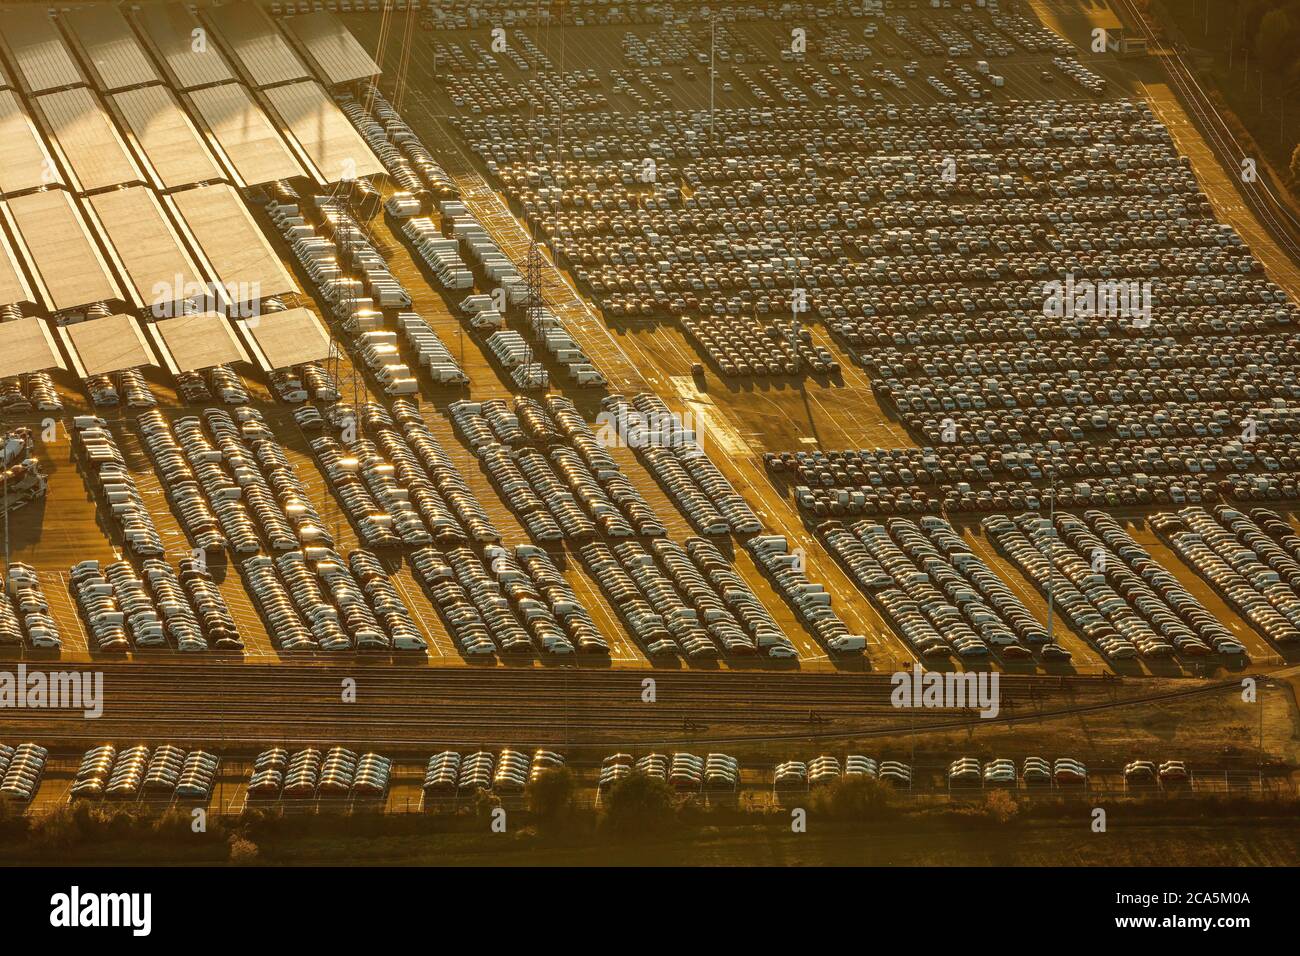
(233, 707)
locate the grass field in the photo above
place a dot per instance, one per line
(1207, 834)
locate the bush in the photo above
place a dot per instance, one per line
(13, 823)
(263, 822)
(242, 850)
(1278, 40)
(853, 798)
(484, 804)
(1001, 806)
(62, 827)
(550, 798)
(173, 823)
(638, 803)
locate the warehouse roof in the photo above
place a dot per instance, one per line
(291, 337)
(227, 237)
(191, 343)
(36, 48)
(24, 161)
(254, 150)
(26, 346)
(67, 265)
(330, 48)
(260, 50)
(14, 287)
(110, 344)
(85, 139)
(169, 29)
(158, 270)
(109, 45)
(330, 142)
(174, 152)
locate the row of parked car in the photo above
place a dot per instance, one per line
(218, 486)
(750, 613)
(435, 179)
(866, 469)
(809, 599)
(24, 612)
(24, 603)
(1147, 773)
(312, 773)
(219, 383)
(100, 612)
(1109, 588)
(396, 164)
(1163, 473)
(450, 774)
(1250, 560)
(333, 628)
(564, 420)
(1088, 168)
(1151, 590)
(459, 612)
(107, 472)
(357, 253)
(937, 592)
(145, 621)
(440, 254)
(682, 771)
(1001, 772)
(137, 771)
(107, 391)
(583, 490)
(438, 489)
(825, 769)
(390, 611)
(275, 606)
(21, 769)
(26, 393)
(430, 350)
(524, 479)
(352, 276)
(540, 597)
(637, 269)
(181, 467)
(342, 471)
(685, 599)
(332, 604)
(162, 610)
(674, 454)
(406, 516)
(520, 603)
(741, 346)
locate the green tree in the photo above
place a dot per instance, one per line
(638, 803)
(1278, 40)
(1001, 806)
(550, 797)
(242, 850)
(853, 798)
(484, 805)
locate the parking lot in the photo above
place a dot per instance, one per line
(613, 95)
(794, 275)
